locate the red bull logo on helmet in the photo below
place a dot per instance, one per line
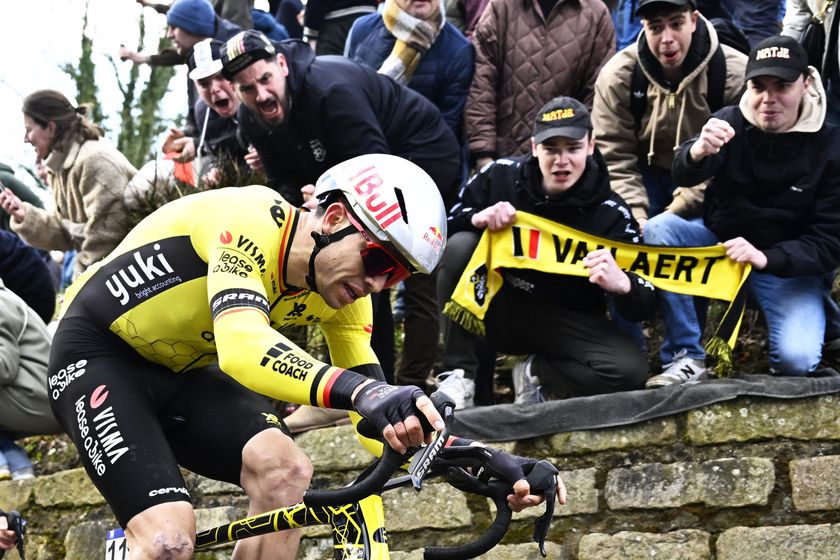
(367, 183)
(434, 237)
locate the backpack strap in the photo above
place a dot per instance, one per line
(638, 94)
(716, 79)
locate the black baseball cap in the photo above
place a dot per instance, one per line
(778, 56)
(645, 5)
(244, 49)
(562, 116)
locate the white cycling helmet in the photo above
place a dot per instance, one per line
(396, 201)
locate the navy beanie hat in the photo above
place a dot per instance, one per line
(193, 16)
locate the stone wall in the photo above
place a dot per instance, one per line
(745, 480)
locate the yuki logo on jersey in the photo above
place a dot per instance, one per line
(143, 270)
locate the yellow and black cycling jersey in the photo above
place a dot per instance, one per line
(201, 281)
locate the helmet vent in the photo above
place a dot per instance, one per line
(401, 202)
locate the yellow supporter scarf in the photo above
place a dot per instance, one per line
(541, 244)
(414, 37)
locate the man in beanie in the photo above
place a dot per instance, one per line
(559, 320)
(190, 22)
(774, 202)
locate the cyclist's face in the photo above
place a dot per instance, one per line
(668, 35)
(562, 161)
(339, 268)
(262, 88)
(219, 94)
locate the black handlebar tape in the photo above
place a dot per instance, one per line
(371, 484)
(498, 492)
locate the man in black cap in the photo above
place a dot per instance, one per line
(305, 114)
(774, 202)
(559, 320)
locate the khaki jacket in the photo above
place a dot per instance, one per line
(89, 215)
(671, 117)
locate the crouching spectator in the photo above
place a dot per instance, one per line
(560, 320)
(24, 403)
(773, 202)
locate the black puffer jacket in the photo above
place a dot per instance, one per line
(590, 206)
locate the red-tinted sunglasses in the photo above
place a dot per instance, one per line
(377, 260)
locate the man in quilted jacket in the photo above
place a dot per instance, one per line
(527, 53)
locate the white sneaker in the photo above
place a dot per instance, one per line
(23, 474)
(526, 386)
(682, 370)
(4, 473)
(457, 387)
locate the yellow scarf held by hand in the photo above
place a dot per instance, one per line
(414, 37)
(544, 245)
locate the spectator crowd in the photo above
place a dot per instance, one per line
(674, 123)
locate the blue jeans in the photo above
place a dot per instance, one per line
(794, 308)
(659, 186)
(13, 455)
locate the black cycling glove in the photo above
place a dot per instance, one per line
(382, 404)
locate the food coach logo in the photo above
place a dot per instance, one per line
(281, 359)
(146, 270)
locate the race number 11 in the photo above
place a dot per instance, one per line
(115, 546)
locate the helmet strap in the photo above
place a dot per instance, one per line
(321, 241)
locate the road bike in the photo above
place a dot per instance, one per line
(355, 512)
(357, 521)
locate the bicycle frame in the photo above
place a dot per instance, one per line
(358, 529)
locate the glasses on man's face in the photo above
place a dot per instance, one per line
(377, 260)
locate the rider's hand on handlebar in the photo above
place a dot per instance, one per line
(513, 469)
(393, 409)
(7, 536)
(522, 497)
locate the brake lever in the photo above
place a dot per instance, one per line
(425, 457)
(543, 479)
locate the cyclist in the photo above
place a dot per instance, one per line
(201, 288)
